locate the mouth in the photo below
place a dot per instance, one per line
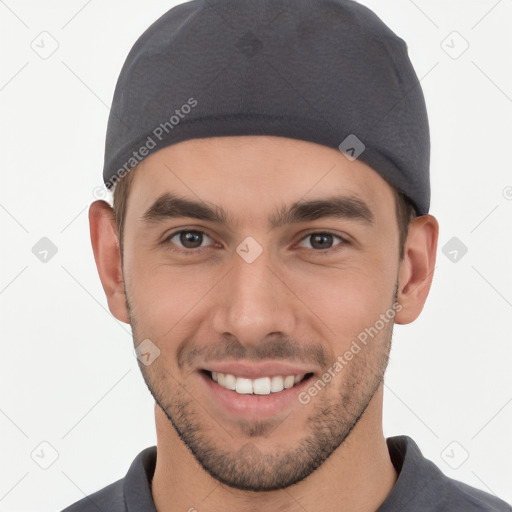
(244, 402)
(266, 385)
(255, 390)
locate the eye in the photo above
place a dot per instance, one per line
(190, 240)
(322, 240)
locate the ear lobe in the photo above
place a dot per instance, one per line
(417, 268)
(105, 245)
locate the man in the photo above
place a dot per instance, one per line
(270, 225)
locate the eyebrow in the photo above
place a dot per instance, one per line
(169, 206)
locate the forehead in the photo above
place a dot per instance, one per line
(251, 174)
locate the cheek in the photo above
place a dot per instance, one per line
(349, 298)
(163, 296)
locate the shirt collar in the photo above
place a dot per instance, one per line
(137, 483)
(416, 477)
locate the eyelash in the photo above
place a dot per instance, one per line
(198, 250)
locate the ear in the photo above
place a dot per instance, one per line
(417, 268)
(105, 245)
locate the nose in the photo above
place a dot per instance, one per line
(254, 301)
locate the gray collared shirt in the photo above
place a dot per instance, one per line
(421, 487)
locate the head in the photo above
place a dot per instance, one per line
(243, 236)
(317, 287)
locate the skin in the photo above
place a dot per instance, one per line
(329, 454)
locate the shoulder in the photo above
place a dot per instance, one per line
(133, 491)
(461, 496)
(109, 498)
(421, 482)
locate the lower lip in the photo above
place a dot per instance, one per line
(254, 406)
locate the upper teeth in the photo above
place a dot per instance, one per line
(261, 386)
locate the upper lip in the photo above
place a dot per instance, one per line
(252, 370)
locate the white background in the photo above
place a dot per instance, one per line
(68, 374)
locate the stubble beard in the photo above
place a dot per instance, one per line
(249, 468)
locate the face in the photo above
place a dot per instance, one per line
(288, 259)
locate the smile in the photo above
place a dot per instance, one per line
(259, 386)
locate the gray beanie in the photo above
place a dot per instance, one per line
(325, 71)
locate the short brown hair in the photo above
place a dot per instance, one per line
(405, 210)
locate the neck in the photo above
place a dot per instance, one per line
(357, 477)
